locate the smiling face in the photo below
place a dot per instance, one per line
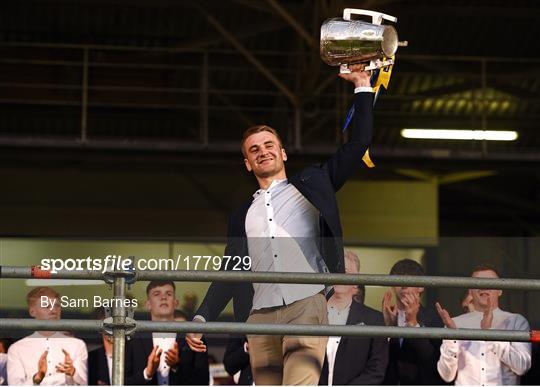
(162, 302)
(264, 155)
(483, 298)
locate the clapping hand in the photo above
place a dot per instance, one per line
(445, 316)
(390, 311)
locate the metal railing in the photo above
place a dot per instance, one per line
(121, 326)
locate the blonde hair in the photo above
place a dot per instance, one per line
(353, 258)
(36, 294)
(258, 129)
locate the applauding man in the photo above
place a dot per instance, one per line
(163, 358)
(411, 361)
(484, 362)
(48, 358)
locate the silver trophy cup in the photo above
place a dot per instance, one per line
(345, 41)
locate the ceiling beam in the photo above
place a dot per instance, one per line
(280, 10)
(249, 56)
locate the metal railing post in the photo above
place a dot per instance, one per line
(119, 332)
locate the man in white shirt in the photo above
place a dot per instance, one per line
(163, 358)
(45, 357)
(290, 224)
(484, 362)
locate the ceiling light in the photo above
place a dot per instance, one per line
(460, 134)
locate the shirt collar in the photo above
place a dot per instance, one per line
(274, 184)
(348, 307)
(56, 334)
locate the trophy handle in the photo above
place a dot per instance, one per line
(376, 17)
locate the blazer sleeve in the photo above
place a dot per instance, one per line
(235, 358)
(193, 369)
(342, 164)
(220, 293)
(428, 350)
(134, 366)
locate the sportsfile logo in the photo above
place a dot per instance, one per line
(114, 262)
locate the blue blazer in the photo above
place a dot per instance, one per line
(319, 184)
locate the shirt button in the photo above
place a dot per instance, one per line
(50, 374)
(482, 354)
(275, 255)
(482, 369)
(267, 204)
(270, 219)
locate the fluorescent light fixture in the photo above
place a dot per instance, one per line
(460, 134)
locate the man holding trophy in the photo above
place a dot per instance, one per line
(290, 224)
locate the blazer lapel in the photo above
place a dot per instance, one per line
(355, 317)
(147, 343)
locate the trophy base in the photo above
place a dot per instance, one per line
(373, 65)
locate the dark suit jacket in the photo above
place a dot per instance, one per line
(193, 368)
(236, 359)
(98, 370)
(415, 360)
(359, 360)
(318, 184)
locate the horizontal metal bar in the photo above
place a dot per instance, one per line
(18, 324)
(275, 329)
(243, 92)
(172, 49)
(295, 278)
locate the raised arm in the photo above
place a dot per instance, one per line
(342, 164)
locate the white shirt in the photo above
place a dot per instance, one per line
(485, 362)
(165, 341)
(402, 322)
(23, 358)
(335, 317)
(109, 366)
(3, 368)
(282, 228)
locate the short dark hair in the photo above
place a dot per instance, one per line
(258, 129)
(154, 284)
(407, 267)
(486, 266)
